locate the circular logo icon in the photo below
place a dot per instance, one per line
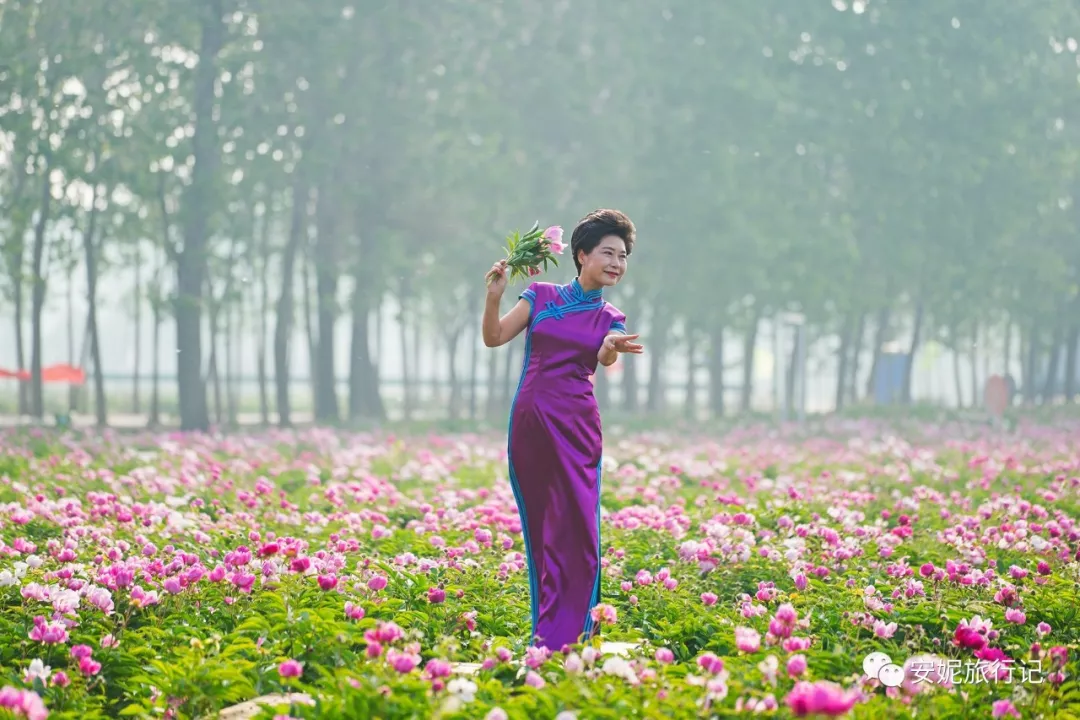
(873, 663)
(891, 675)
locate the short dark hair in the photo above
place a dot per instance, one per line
(597, 225)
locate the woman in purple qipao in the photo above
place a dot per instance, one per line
(555, 440)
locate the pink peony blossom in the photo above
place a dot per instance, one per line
(290, 669)
(820, 698)
(747, 639)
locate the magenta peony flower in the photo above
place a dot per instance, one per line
(747, 639)
(820, 698)
(290, 669)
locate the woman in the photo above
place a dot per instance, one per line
(555, 440)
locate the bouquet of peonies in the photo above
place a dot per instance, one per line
(526, 254)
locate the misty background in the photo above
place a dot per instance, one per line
(299, 201)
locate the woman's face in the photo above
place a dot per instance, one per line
(606, 264)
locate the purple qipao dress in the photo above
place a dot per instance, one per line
(554, 451)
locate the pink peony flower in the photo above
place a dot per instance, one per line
(25, 702)
(290, 669)
(708, 598)
(52, 633)
(747, 639)
(436, 595)
(89, 666)
(820, 698)
(1004, 708)
(710, 663)
(796, 665)
(402, 662)
(436, 668)
(884, 630)
(605, 614)
(554, 236)
(664, 656)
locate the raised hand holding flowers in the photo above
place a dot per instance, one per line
(527, 254)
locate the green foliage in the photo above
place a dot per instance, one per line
(210, 645)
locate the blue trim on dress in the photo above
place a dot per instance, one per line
(595, 598)
(530, 295)
(575, 300)
(618, 327)
(578, 293)
(534, 581)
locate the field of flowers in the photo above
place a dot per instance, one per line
(379, 576)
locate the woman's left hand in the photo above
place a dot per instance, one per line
(623, 344)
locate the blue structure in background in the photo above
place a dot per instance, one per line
(889, 378)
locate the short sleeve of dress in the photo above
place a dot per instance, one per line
(529, 294)
(618, 322)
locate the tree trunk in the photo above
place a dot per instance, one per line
(326, 285)
(377, 338)
(791, 373)
(135, 402)
(916, 338)
(629, 387)
(73, 390)
(880, 333)
(856, 356)
(84, 358)
(417, 345)
(454, 403)
(1049, 391)
(403, 334)
(602, 389)
(510, 378)
(716, 367)
(192, 260)
(690, 403)
(283, 325)
(842, 363)
(629, 370)
(212, 374)
(155, 398)
(365, 400)
(956, 372)
(264, 312)
(158, 301)
(492, 400)
(749, 348)
(974, 361)
(474, 353)
(91, 251)
(20, 340)
(16, 261)
(230, 358)
(37, 296)
(1006, 359)
(309, 325)
(1029, 370)
(1071, 361)
(660, 325)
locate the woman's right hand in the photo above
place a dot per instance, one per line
(496, 279)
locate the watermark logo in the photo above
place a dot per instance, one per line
(880, 666)
(944, 671)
